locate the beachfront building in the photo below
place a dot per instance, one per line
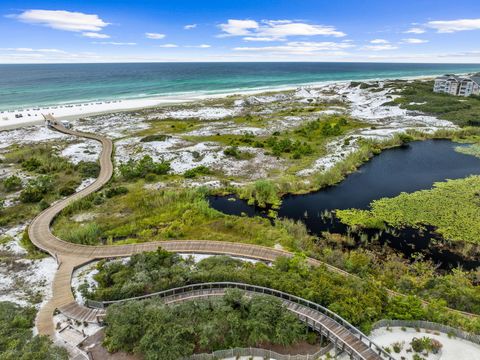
(448, 84)
(470, 86)
(454, 85)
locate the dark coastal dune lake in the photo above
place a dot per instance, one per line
(403, 169)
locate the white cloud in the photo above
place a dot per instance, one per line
(201, 46)
(95, 35)
(450, 26)
(114, 43)
(30, 50)
(63, 20)
(382, 47)
(379, 41)
(238, 27)
(415, 30)
(190, 26)
(154, 36)
(414, 41)
(301, 48)
(284, 28)
(275, 30)
(168, 46)
(253, 38)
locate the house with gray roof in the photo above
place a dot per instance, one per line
(454, 85)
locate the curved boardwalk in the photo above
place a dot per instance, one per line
(70, 256)
(343, 335)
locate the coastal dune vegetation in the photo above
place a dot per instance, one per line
(360, 301)
(418, 96)
(201, 326)
(39, 177)
(16, 336)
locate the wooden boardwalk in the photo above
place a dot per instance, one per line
(71, 256)
(344, 336)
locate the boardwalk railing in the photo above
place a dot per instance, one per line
(430, 326)
(254, 352)
(254, 289)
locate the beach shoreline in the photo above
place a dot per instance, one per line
(10, 120)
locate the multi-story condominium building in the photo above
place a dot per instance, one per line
(454, 85)
(470, 86)
(447, 84)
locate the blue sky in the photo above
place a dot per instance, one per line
(246, 30)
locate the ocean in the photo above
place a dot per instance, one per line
(23, 86)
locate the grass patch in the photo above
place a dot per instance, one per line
(452, 207)
(32, 251)
(145, 215)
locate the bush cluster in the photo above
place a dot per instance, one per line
(139, 169)
(150, 328)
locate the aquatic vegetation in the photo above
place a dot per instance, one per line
(472, 149)
(452, 207)
(262, 193)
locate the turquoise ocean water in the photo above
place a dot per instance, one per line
(23, 86)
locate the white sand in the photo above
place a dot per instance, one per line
(22, 278)
(8, 119)
(453, 348)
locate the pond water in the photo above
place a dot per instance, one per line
(403, 169)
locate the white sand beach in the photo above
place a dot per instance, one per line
(12, 119)
(32, 116)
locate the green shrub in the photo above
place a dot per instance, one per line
(232, 151)
(43, 204)
(139, 169)
(68, 189)
(36, 189)
(158, 137)
(199, 170)
(397, 346)
(426, 344)
(31, 164)
(31, 194)
(88, 169)
(16, 337)
(12, 183)
(119, 190)
(231, 321)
